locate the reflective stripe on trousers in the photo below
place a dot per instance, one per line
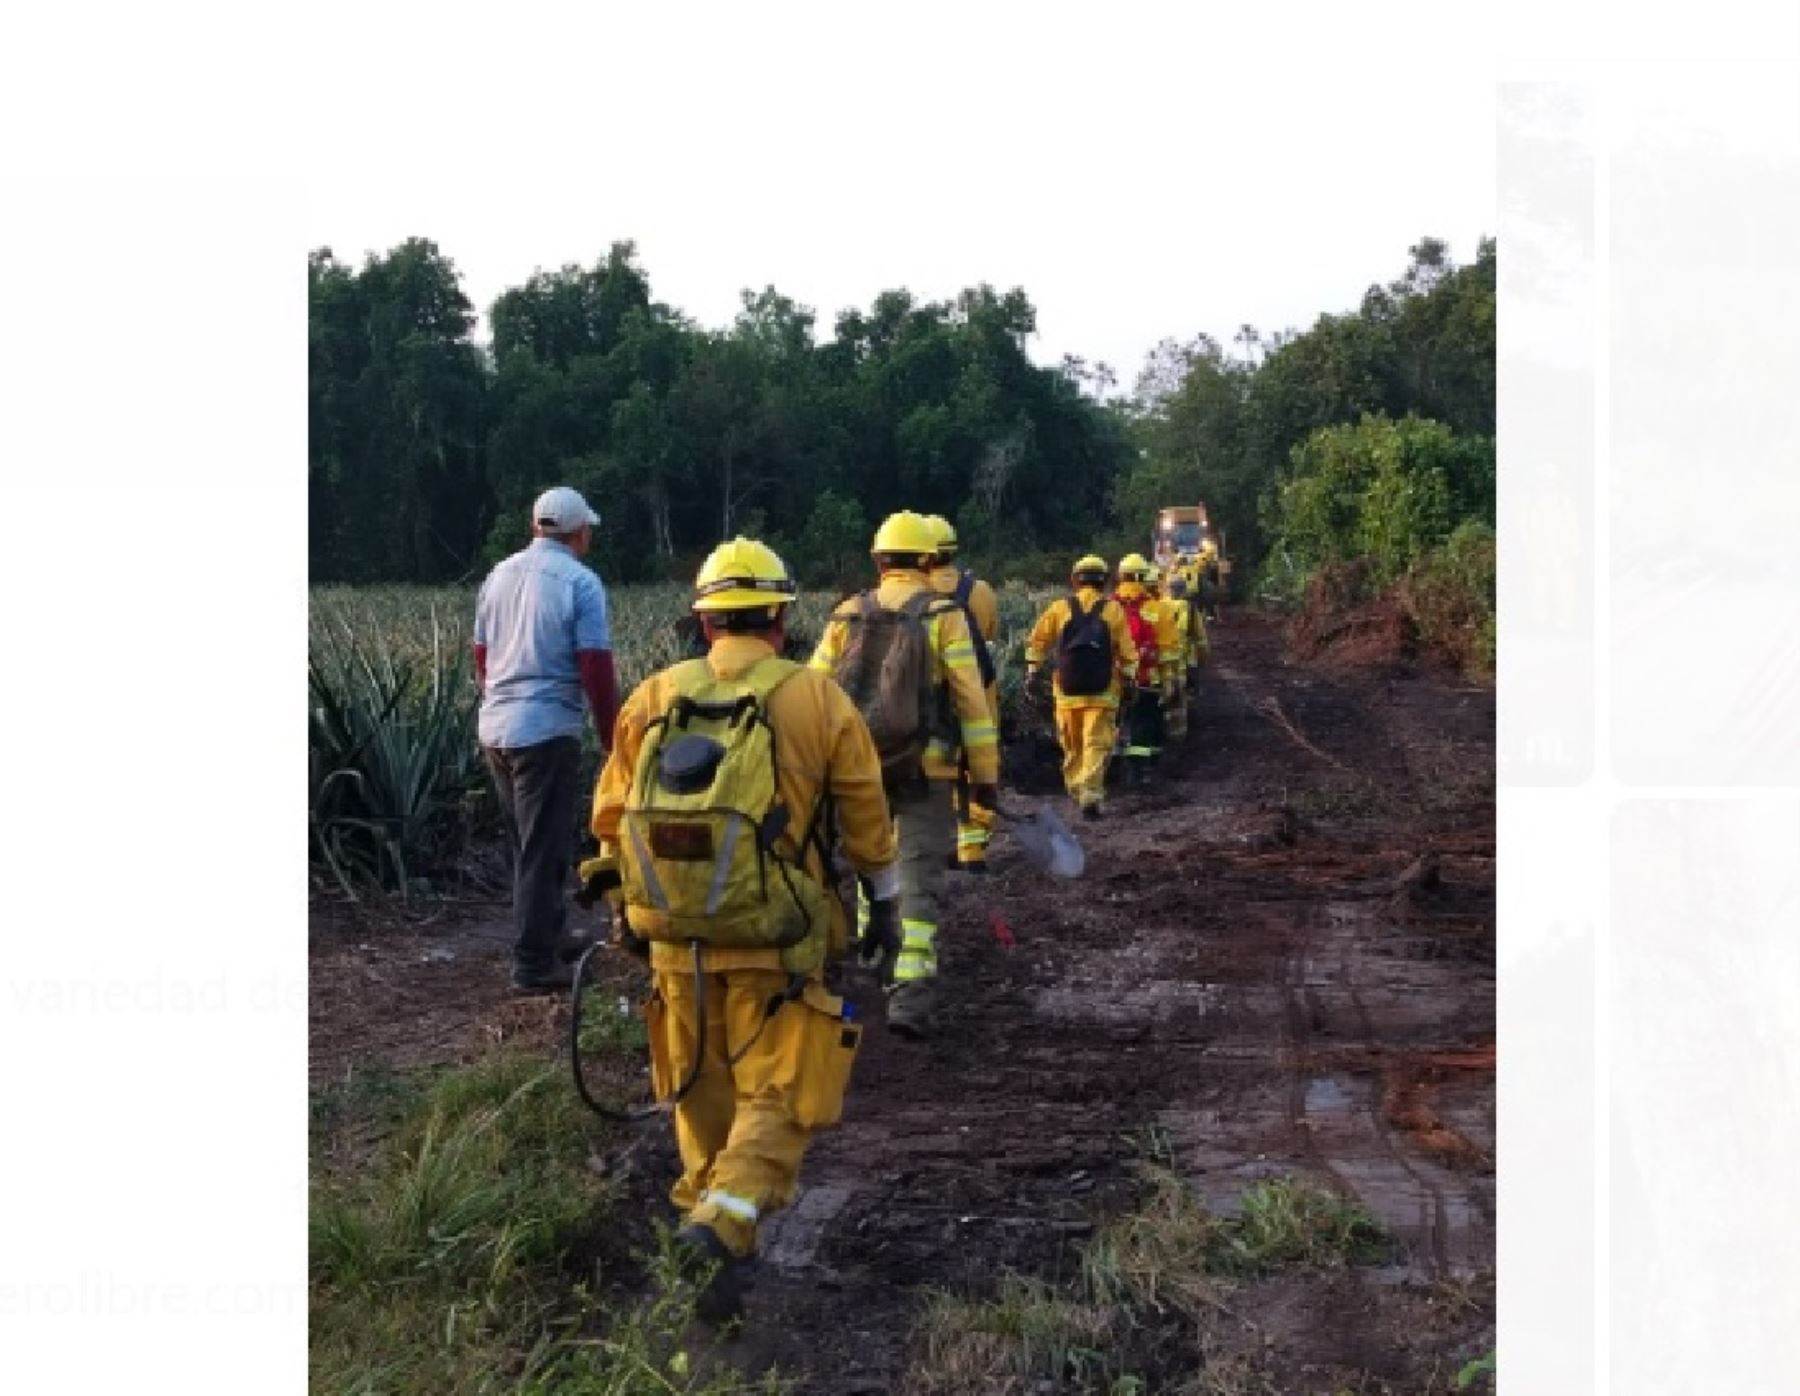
(918, 951)
(740, 1207)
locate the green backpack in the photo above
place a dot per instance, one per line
(707, 850)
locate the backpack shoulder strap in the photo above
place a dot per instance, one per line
(924, 603)
(965, 584)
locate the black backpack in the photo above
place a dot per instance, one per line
(1084, 652)
(984, 660)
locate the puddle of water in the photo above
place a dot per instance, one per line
(1327, 1095)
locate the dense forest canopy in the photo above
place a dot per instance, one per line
(426, 447)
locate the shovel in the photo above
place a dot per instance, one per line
(1047, 841)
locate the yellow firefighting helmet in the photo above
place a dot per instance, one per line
(1090, 566)
(905, 533)
(1132, 567)
(743, 575)
(946, 535)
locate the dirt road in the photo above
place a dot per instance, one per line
(1279, 961)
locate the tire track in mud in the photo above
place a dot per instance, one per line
(1437, 1226)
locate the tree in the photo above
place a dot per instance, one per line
(397, 403)
(426, 449)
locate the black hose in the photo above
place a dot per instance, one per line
(632, 1114)
(635, 1114)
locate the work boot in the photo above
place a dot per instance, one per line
(542, 979)
(717, 1274)
(1091, 811)
(910, 1008)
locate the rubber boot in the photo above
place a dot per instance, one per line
(717, 1274)
(912, 1008)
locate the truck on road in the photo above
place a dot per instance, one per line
(1184, 541)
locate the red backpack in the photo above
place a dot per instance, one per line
(1143, 635)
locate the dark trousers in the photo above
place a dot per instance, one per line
(1144, 725)
(537, 788)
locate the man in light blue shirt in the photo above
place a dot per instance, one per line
(542, 646)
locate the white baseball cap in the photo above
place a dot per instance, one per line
(562, 510)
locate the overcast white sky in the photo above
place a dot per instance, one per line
(1139, 180)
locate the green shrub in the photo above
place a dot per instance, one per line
(1382, 490)
(1450, 594)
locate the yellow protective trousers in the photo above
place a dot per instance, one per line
(1175, 706)
(974, 826)
(926, 826)
(1087, 736)
(744, 1126)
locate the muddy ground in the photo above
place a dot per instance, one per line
(1280, 960)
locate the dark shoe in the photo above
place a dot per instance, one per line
(1090, 812)
(717, 1274)
(548, 979)
(976, 868)
(911, 1007)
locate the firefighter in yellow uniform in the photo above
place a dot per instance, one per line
(1144, 718)
(981, 608)
(1087, 703)
(1172, 648)
(1208, 580)
(772, 1062)
(919, 795)
(1194, 648)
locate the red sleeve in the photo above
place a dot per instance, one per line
(601, 684)
(481, 667)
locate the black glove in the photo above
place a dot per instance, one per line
(599, 875)
(879, 947)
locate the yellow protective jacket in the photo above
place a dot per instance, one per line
(1048, 630)
(823, 746)
(985, 607)
(982, 600)
(978, 738)
(1171, 632)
